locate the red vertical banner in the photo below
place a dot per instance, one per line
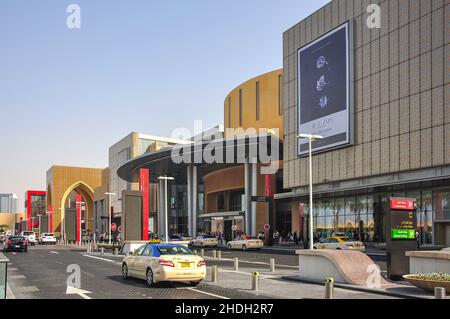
(28, 210)
(144, 185)
(78, 200)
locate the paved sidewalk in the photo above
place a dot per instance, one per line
(273, 286)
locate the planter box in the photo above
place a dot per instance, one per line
(428, 285)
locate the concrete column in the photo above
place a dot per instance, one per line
(194, 200)
(161, 208)
(248, 199)
(189, 198)
(254, 188)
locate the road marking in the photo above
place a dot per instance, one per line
(104, 259)
(89, 274)
(206, 293)
(27, 289)
(13, 253)
(54, 252)
(76, 291)
(12, 268)
(17, 277)
(58, 262)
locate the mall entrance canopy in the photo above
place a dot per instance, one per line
(188, 164)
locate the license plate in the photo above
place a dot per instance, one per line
(17, 246)
(185, 264)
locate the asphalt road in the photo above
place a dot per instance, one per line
(42, 274)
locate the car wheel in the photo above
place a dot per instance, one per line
(229, 246)
(314, 247)
(195, 283)
(244, 247)
(338, 248)
(125, 271)
(149, 277)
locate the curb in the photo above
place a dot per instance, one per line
(353, 287)
(9, 293)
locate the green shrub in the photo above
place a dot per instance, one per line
(432, 276)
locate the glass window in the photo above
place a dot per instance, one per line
(441, 201)
(370, 220)
(174, 250)
(236, 200)
(140, 250)
(148, 251)
(425, 224)
(220, 202)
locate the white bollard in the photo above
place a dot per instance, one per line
(214, 254)
(439, 293)
(236, 264)
(329, 287)
(214, 274)
(272, 264)
(255, 281)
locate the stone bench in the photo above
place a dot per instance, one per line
(429, 261)
(345, 266)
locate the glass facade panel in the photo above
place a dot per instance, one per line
(441, 205)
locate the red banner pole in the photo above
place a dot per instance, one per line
(144, 183)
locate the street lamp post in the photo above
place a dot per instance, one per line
(109, 215)
(310, 138)
(166, 178)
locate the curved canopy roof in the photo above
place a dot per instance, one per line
(208, 156)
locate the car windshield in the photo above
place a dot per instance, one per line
(16, 238)
(26, 233)
(174, 250)
(47, 234)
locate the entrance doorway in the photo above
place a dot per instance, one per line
(228, 231)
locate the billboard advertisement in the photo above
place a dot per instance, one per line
(325, 94)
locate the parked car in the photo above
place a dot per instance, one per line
(16, 243)
(245, 243)
(164, 262)
(31, 236)
(47, 238)
(204, 241)
(340, 243)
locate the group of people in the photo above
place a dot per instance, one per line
(286, 237)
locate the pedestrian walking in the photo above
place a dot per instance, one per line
(295, 238)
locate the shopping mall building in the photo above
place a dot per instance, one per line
(377, 96)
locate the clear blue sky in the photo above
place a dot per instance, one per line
(66, 95)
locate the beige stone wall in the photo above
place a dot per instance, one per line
(401, 73)
(61, 180)
(10, 219)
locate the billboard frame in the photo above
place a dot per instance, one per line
(350, 89)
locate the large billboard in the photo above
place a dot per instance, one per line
(325, 90)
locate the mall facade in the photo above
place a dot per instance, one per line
(380, 99)
(377, 96)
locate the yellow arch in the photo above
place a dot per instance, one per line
(66, 194)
